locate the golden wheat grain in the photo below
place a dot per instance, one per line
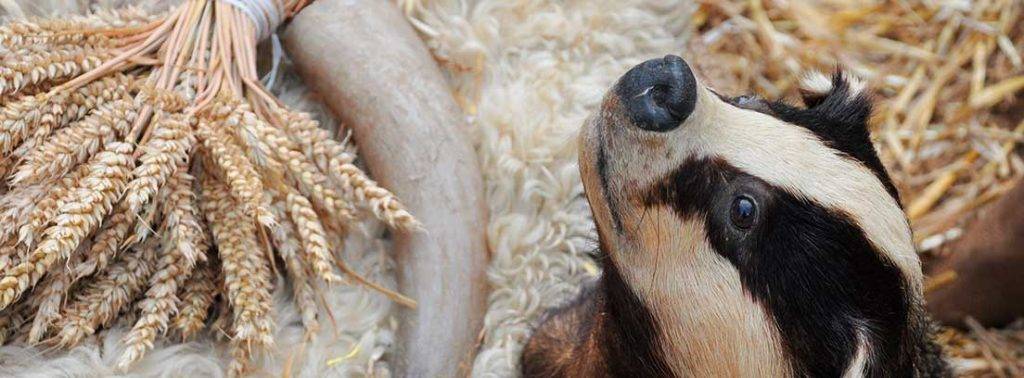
(76, 143)
(385, 206)
(168, 101)
(237, 170)
(183, 244)
(76, 218)
(106, 242)
(289, 248)
(10, 253)
(118, 21)
(42, 211)
(303, 290)
(38, 115)
(246, 271)
(160, 302)
(196, 299)
(49, 66)
(47, 302)
(17, 206)
(180, 215)
(333, 160)
(168, 146)
(261, 153)
(310, 181)
(146, 223)
(317, 143)
(103, 298)
(53, 32)
(312, 235)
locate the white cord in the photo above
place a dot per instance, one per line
(267, 15)
(277, 55)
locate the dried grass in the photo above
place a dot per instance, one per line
(139, 156)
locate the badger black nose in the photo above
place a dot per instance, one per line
(659, 94)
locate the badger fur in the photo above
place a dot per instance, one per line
(739, 237)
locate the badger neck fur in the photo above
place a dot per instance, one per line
(739, 237)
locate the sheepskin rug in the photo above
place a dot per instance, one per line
(526, 73)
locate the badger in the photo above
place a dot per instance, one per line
(739, 237)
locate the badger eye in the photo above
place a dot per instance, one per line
(744, 212)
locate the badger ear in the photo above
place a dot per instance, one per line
(814, 88)
(840, 97)
(838, 111)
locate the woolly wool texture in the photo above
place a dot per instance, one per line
(527, 73)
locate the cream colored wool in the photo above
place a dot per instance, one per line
(527, 72)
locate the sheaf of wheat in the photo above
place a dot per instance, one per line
(149, 175)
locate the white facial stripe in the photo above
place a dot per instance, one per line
(794, 159)
(696, 294)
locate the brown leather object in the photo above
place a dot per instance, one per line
(374, 72)
(989, 265)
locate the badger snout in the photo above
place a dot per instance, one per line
(658, 94)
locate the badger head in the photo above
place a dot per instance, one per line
(746, 236)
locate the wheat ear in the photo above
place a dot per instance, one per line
(246, 274)
(289, 248)
(312, 235)
(41, 114)
(160, 302)
(49, 66)
(106, 242)
(104, 298)
(310, 181)
(333, 159)
(49, 299)
(196, 298)
(76, 143)
(168, 146)
(237, 170)
(76, 218)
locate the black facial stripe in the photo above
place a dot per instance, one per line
(602, 175)
(632, 341)
(812, 269)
